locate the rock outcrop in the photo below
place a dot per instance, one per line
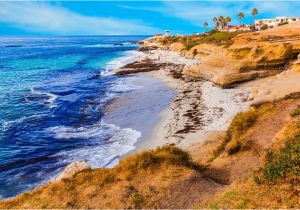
(72, 169)
(250, 56)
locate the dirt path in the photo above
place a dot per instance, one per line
(268, 127)
(192, 190)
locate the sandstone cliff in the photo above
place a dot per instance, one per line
(250, 56)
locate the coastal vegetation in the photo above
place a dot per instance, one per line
(254, 12)
(282, 24)
(213, 37)
(264, 27)
(205, 25)
(282, 164)
(295, 112)
(241, 16)
(275, 184)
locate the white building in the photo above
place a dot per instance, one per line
(167, 33)
(241, 28)
(271, 23)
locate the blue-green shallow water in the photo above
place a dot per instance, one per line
(53, 91)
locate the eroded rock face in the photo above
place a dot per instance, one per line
(72, 169)
(296, 64)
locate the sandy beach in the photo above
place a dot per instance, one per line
(199, 110)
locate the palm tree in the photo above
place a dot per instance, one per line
(215, 20)
(254, 12)
(241, 16)
(221, 20)
(227, 20)
(205, 25)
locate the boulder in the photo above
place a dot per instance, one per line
(72, 169)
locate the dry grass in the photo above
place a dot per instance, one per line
(275, 185)
(233, 141)
(137, 181)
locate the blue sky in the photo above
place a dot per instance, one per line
(127, 17)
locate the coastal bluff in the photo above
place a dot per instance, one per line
(242, 57)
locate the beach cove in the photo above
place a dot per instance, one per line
(201, 132)
(199, 110)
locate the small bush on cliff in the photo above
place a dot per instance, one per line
(136, 201)
(295, 112)
(282, 164)
(264, 27)
(284, 23)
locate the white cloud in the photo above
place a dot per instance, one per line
(200, 11)
(196, 12)
(49, 19)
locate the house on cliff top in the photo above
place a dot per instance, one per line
(274, 22)
(240, 28)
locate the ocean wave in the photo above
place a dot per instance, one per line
(4, 125)
(110, 143)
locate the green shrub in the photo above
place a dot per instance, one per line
(257, 179)
(219, 38)
(284, 162)
(264, 27)
(170, 40)
(295, 112)
(137, 200)
(281, 24)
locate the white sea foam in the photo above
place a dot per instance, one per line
(51, 97)
(124, 85)
(129, 57)
(228, 102)
(111, 142)
(4, 125)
